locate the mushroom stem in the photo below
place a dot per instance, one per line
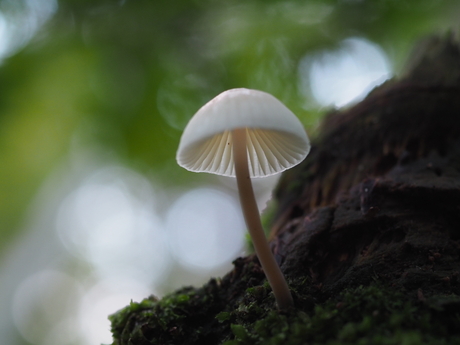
(252, 217)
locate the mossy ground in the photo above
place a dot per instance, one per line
(374, 314)
(365, 315)
(184, 317)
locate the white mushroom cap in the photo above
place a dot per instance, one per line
(276, 139)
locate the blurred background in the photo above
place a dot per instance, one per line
(94, 95)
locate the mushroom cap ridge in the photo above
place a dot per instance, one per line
(276, 138)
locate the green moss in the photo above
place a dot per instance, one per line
(365, 315)
(184, 317)
(120, 318)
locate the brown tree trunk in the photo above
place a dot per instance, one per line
(367, 232)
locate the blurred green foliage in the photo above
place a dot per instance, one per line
(120, 79)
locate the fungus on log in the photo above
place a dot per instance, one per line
(367, 232)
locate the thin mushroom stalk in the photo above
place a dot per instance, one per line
(252, 217)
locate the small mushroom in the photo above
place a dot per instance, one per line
(246, 134)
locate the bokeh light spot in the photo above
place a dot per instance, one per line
(346, 75)
(52, 296)
(103, 299)
(19, 22)
(205, 228)
(109, 220)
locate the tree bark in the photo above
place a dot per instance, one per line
(367, 232)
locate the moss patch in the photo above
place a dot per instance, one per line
(364, 315)
(184, 317)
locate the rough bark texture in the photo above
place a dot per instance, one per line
(367, 232)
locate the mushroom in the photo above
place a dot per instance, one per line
(246, 134)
